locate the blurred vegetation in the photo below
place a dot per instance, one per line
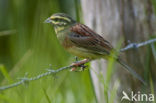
(27, 45)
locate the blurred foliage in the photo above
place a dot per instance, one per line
(30, 46)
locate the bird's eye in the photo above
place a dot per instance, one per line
(56, 19)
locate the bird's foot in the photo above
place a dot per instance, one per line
(79, 64)
(82, 68)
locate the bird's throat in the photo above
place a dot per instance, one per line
(59, 29)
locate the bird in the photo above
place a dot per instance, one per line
(81, 41)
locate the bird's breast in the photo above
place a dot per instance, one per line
(64, 40)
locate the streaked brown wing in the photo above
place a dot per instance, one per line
(84, 37)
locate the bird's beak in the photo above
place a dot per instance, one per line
(48, 20)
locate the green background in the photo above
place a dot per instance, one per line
(27, 45)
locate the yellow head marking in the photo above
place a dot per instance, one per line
(57, 29)
(59, 17)
(57, 22)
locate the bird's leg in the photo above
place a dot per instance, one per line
(79, 64)
(76, 60)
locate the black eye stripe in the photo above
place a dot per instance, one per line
(61, 20)
(56, 19)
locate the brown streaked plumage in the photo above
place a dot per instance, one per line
(87, 38)
(81, 37)
(83, 42)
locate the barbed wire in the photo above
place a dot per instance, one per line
(137, 45)
(51, 71)
(26, 79)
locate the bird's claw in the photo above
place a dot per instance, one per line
(79, 64)
(82, 68)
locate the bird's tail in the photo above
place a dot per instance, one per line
(131, 70)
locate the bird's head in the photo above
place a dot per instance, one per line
(60, 20)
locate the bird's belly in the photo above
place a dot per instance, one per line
(83, 53)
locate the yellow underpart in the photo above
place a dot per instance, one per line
(59, 17)
(84, 53)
